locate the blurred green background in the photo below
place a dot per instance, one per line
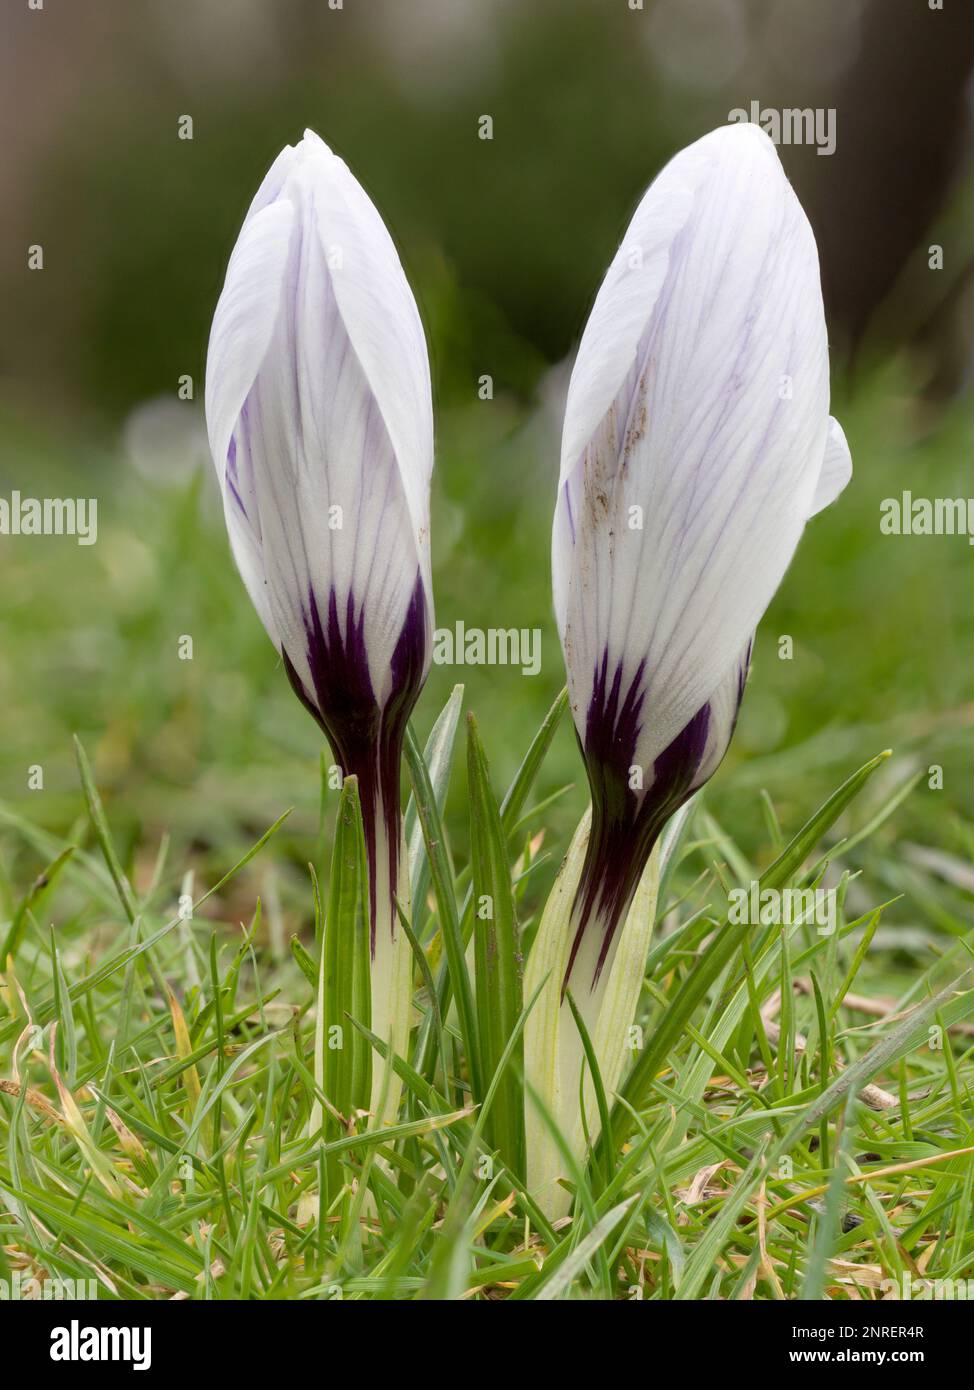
(505, 242)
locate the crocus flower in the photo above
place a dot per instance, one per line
(697, 442)
(319, 414)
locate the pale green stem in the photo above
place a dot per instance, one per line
(554, 1056)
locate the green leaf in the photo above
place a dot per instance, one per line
(103, 835)
(496, 951)
(438, 757)
(305, 963)
(345, 1073)
(446, 906)
(596, 1075)
(35, 894)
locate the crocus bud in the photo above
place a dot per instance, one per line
(320, 422)
(697, 442)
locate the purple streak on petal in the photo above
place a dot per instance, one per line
(236, 496)
(366, 739)
(625, 823)
(236, 485)
(231, 475)
(571, 516)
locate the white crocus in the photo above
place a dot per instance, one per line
(320, 423)
(697, 443)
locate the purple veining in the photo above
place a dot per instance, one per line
(366, 738)
(626, 823)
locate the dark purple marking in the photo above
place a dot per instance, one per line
(625, 824)
(366, 740)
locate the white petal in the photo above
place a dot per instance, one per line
(272, 184)
(381, 319)
(246, 549)
(836, 468)
(243, 327)
(725, 703)
(688, 501)
(333, 501)
(626, 299)
(319, 412)
(244, 321)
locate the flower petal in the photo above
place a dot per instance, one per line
(677, 522)
(243, 323)
(243, 327)
(319, 402)
(836, 468)
(627, 298)
(724, 706)
(380, 316)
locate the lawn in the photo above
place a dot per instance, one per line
(797, 1121)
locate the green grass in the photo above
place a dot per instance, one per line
(162, 1138)
(157, 1066)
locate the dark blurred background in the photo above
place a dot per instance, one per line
(506, 239)
(505, 242)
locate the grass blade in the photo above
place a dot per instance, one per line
(496, 951)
